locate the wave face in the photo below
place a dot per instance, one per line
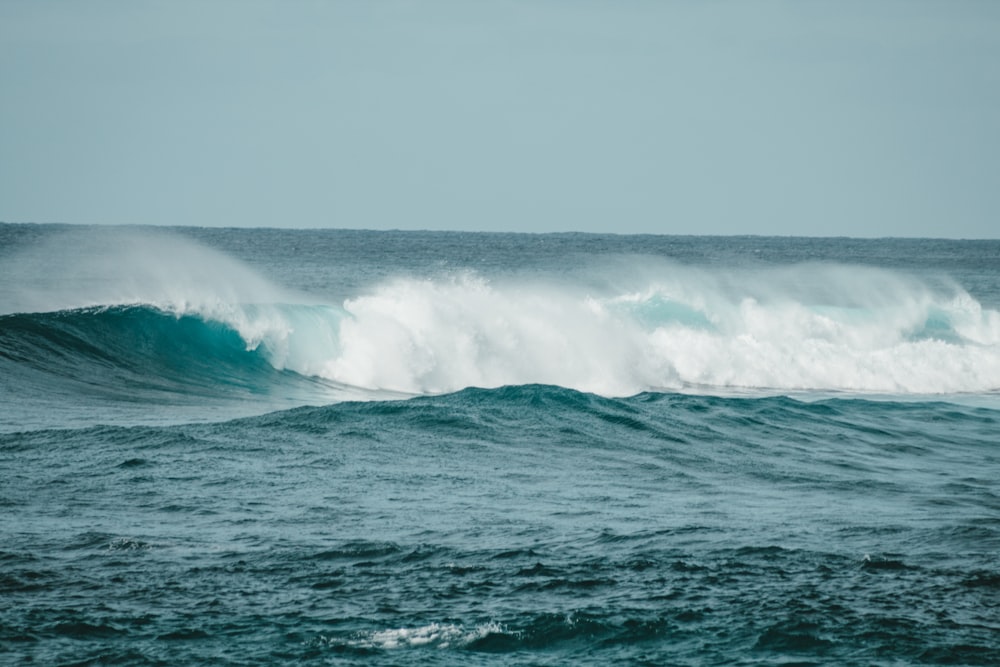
(134, 348)
(164, 314)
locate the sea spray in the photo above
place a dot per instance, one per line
(108, 266)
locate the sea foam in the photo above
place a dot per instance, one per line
(427, 336)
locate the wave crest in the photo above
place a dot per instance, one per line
(611, 329)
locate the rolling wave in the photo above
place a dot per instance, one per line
(431, 336)
(137, 310)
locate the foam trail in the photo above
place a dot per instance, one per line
(436, 635)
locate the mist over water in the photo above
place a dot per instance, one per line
(104, 266)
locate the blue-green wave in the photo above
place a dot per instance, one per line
(139, 352)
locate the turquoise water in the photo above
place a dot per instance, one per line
(324, 447)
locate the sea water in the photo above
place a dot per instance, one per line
(236, 446)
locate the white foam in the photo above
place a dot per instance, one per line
(438, 635)
(428, 336)
(438, 336)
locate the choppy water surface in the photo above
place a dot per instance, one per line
(265, 447)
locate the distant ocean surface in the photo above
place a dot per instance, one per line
(256, 447)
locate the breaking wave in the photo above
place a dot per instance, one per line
(165, 311)
(434, 336)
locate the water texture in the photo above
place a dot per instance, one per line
(322, 447)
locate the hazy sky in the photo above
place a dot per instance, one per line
(813, 118)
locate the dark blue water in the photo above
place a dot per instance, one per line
(326, 447)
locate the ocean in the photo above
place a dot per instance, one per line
(334, 447)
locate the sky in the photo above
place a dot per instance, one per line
(821, 118)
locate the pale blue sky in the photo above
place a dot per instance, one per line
(813, 118)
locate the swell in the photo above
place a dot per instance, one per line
(670, 422)
(521, 521)
(518, 521)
